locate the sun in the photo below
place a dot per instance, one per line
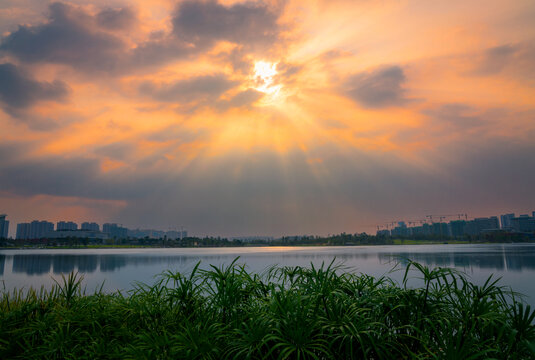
(264, 77)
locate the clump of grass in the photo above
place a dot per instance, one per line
(285, 313)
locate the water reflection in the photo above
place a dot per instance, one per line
(2, 262)
(499, 258)
(504, 260)
(32, 264)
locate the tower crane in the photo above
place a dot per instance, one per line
(444, 216)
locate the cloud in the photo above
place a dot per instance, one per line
(242, 99)
(238, 59)
(515, 59)
(490, 172)
(197, 89)
(115, 19)
(88, 42)
(204, 22)
(51, 176)
(68, 37)
(157, 51)
(379, 88)
(177, 135)
(18, 91)
(495, 59)
(116, 150)
(453, 121)
(458, 116)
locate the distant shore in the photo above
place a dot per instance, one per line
(397, 242)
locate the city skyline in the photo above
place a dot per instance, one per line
(508, 222)
(244, 118)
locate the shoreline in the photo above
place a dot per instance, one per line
(396, 242)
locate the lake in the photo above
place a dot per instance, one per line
(119, 269)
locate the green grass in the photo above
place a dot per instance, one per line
(427, 242)
(284, 313)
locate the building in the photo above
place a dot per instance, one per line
(505, 221)
(23, 231)
(384, 232)
(423, 230)
(115, 231)
(480, 225)
(456, 228)
(4, 226)
(400, 230)
(523, 223)
(90, 226)
(66, 225)
(440, 229)
(39, 229)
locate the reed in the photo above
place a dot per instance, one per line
(285, 313)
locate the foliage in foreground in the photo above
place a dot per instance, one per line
(286, 313)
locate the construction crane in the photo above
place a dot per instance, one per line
(444, 216)
(415, 222)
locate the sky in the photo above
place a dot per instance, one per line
(272, 118)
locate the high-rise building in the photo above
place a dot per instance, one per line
(23, 231)
(66, 225)
(506, 220)
(456, 228)
(400, 230)
(479, 225)
(90, 226)
(440, 229)
(4, 226)
(40, 229)
(115, 231)
(523, 223)
(384, 232)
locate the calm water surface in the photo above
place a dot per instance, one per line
(119, 269)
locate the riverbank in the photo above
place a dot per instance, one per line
(266, 244)
(289, 312)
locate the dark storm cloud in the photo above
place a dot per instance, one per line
(115, 19)
(68, 37)
(379, 88)
(202, 88)
(203, 22)
(18, 91)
